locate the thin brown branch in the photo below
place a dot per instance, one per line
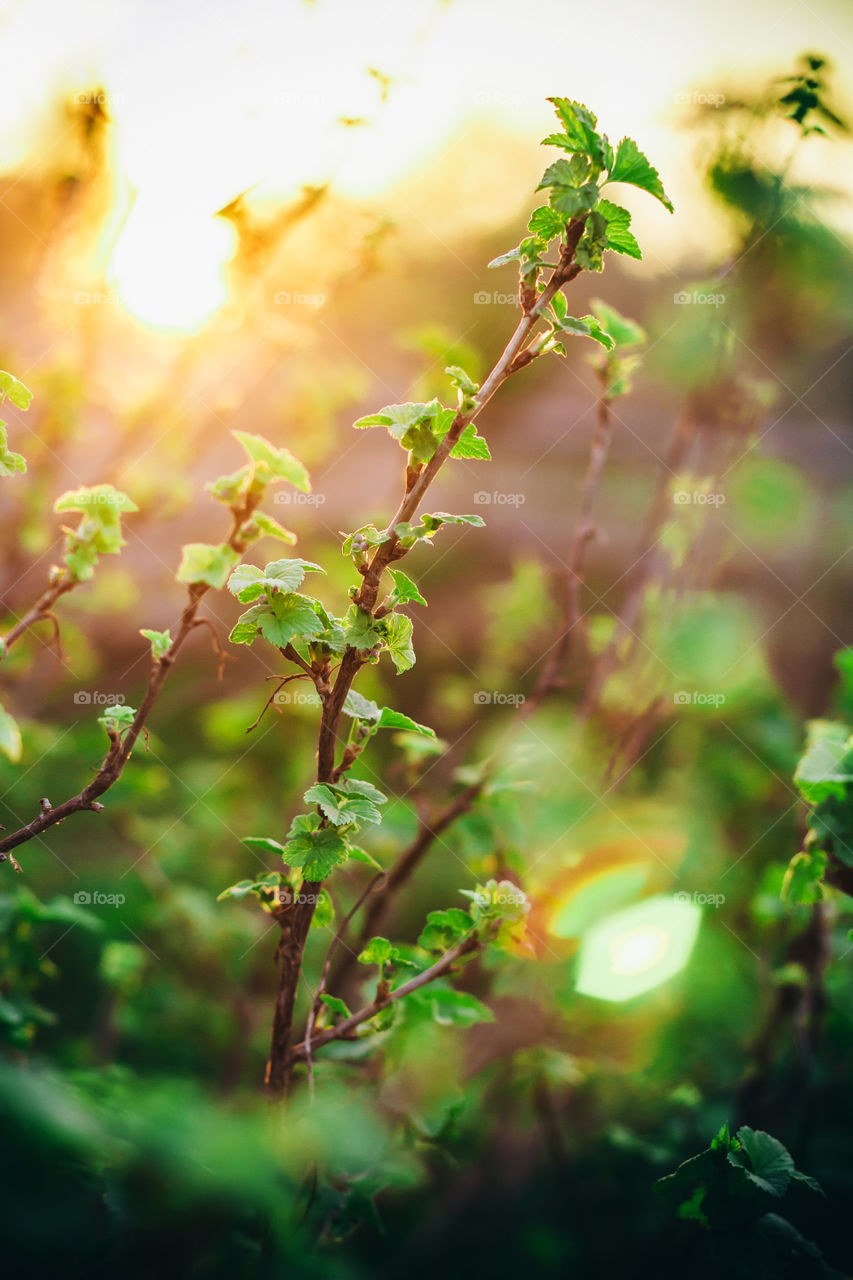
(343, 1030)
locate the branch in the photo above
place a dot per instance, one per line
(42, 610)
(342, 1029)
(121, 745)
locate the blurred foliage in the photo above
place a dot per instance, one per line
(134, 1006)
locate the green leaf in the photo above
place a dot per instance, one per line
(546, 223)
(410, 424)
(341, 808)
(117, 719)
(367, 536)
(405, 591)
(207, 562)
(398, 640)
(389, 719)
(102, 502)
(264, 844)
(361, 855)
(10, 387)
(335, 1005)
(377, 951)
(456, 1008)
(360, 708)
(767, 1163)
(99, 530)
(10, 736)
(238, 890)
(283, 618)
(356, 786)
(10, 462)
(443, 929)
(585, 327)
(429, 525)
(249, 583)
(317, 851)
(593, 242)
(469, 444)
(271, 464)
(804, 877)
(360, 628)
(826, 768)
(263, 526)
(161, 642)
(632, 166)
(619, 238)
(624, 332)
(579, 130)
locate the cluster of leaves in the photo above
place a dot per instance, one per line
(735, 1185)
(824, 777)
(807, 97)
(575, 183)
(284, 617)
(99, 529)
(242, 491)
(496, 918)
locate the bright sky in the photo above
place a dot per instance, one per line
(212, 96)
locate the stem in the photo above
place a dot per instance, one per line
(121, 746)
(295, 921)
(343, 1029)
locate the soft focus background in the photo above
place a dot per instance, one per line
(277, 218)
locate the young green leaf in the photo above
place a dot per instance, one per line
(631, 166)
(160, 641)
(619, 238)
(271, 464)
(249, 583)
(15, 390)
(206, 562)
(283, 618)
(397, 634)
(263, 526)
(405, 591)
(389, 719)
(377, 951)
(117, 719)
(317, 852)
(359, 707)
(10, 462)
(341, 808)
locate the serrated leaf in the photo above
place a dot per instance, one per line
(405, 591)
(389, 719)
(619, 238)
(317, 852)
(249, 583)
(14, 389)
(360, 628)
(630, 165)
(340, 807)
(356, 786)
(398, 641)
(585, 327)
(283, 618)
(377, 951)
(546, 223)
(767, 1163)
(263, 526)
(117, 719)
(207, 562)
(359, 707)
(10, 462)
(272, 464)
